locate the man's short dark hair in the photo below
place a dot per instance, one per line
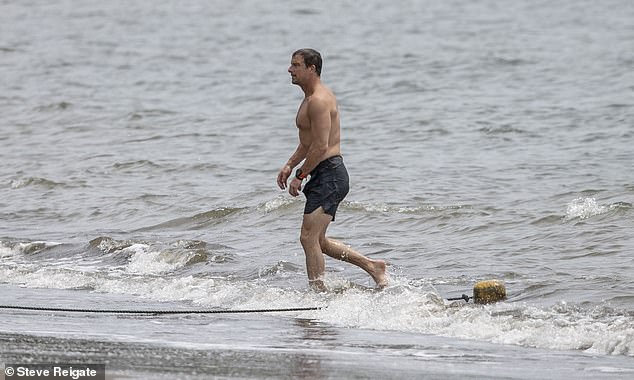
(311, 57)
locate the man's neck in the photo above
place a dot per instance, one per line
(309, 88)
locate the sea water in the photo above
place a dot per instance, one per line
(140, 143)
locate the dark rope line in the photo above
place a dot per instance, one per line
(112, 311)
(464, 297)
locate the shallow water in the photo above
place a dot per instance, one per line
(140, 145)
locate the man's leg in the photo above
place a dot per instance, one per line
(314, 227)
(375, 268)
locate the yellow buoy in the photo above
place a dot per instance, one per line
(489, 291)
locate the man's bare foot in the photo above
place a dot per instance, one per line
(379, 274)
(317, 285)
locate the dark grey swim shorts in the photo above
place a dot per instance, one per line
(328, 185)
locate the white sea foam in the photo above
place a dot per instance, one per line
(402, 307)
(5, 250)
(584, 208)
(505, 323)
(160, 289)
(144, 260)
(276, 204)
(405, 309)
(369, 207)
(382, 207)
(16, 250)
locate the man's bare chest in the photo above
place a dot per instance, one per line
(302, 119)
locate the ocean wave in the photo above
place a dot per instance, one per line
(107, 255)
(145, 259)
(57, 106)
(502, 130)
(282, 269)
(130, 166)
(404, 306)
(150, 113)
(380, 207)
(196, 222)
(161, 272)
(283, 202)
(279, 203)
(25, 248)
(108, 245)
(588, 207)
(5, 251)
(584, 208)
(19, 183)
(155, 258)
(560, 327)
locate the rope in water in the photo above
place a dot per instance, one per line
(114, 311)
(464, 297)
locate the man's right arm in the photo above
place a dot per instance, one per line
(285, 171)
(298, 156)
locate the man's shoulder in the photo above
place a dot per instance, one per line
(322, 98)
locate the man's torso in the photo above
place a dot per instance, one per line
(304, 123)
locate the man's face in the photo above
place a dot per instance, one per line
(298, 69)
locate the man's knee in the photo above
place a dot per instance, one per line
(313, 236)
(304, 238)
(314, 228)
(308, 237)
(310, 240)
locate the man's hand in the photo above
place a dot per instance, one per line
(283, 175)
(295, 187)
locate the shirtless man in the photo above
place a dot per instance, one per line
(319, 147)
